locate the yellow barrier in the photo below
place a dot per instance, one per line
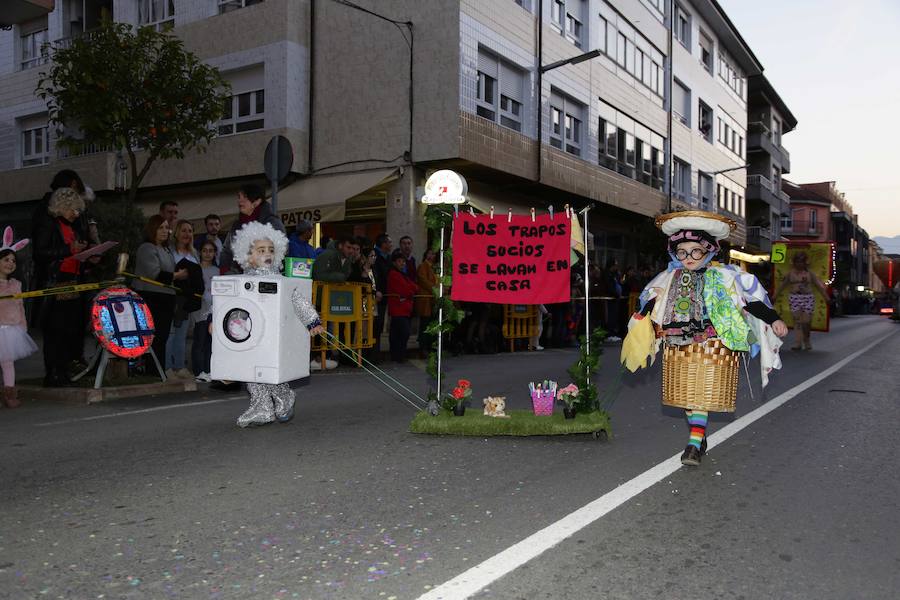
(347, 311)
(520, 321)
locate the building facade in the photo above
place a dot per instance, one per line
(769, 120)
(374, 100)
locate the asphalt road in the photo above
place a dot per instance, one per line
(143, 499)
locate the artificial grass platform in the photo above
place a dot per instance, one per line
(520, 423)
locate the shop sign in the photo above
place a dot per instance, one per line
(445, 187)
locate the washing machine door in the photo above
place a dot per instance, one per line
(241, 325)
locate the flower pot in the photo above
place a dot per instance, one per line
(459, 410)
(569, 412)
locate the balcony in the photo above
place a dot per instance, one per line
(759, 137)
(759, 238)
(761, 189)
(804, 228)
(83, 150)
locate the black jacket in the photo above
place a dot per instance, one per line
(188, 288)
(49, 250)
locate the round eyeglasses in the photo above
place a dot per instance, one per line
(696, 254)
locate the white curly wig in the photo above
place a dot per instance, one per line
(252, 232)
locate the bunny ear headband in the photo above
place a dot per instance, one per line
(8, 241)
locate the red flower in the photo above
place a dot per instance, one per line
(464, 384)
(458, 393)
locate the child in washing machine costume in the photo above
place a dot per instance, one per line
(704, 315)
(259, 249)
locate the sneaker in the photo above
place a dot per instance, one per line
(538, 348)
(203, 377)
(691, 456)
(171, 374)
(330, 364)
(315, 365)
(184, 374)
(613, 339)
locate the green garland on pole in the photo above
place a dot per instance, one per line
(584, 369)
(439, 220)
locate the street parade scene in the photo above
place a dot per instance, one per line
(447, 299)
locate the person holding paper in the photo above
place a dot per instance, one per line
(54, 249)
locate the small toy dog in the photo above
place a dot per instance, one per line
(495, 406)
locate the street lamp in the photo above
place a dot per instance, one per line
(572, 61)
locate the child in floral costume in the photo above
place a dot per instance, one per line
(694, 301)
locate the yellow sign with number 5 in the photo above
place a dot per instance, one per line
(779, 253)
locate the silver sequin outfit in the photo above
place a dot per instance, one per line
(268, 401)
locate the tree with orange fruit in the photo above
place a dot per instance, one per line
(135, 90)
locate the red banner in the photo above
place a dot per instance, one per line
(518, 261)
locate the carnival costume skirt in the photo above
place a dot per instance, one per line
(802, 303)
(15, 343)
(700, 376)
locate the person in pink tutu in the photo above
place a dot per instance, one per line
(15, 343)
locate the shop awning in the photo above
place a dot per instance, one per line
(323, 197)
(318, 198)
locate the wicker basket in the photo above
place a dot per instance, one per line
(701, 376)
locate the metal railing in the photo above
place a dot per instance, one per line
(83, 150)
(803, 228)
(759, 233)
(760, 180)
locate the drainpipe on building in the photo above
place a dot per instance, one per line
(670, 81)
(539, 105)
(312, 71)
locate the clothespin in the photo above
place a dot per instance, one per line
(532, 214)
(551, 212)
(471, 212)
(456, 210)
(568, 214)
(509, 216)
(492, 213)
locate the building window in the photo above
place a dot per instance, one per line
(243, 112)
(558, 12)
(776, 131)
(34, 49)
(706, 52)
(499, 95)
(230, 5)
(486, 96)
(681, 179)
(706, 190)
(730, 74)
(526, 4)
(556, 127)
(566, 124)
(681, 103)
(35, 146)
(787, 222)
(705, 121)
(573, 135)
(720, 201)
(682, 25)
(159, 14)
(621, 45)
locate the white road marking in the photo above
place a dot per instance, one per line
(143, 410)
(482, 575)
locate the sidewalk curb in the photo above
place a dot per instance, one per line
(75, 395)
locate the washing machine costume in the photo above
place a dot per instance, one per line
(703, 315)
(260, 321)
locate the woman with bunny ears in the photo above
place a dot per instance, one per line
(15, 343)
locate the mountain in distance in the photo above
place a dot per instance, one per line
(889, 245)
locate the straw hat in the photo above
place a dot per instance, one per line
(718, 226)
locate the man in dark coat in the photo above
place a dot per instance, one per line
(383, 247)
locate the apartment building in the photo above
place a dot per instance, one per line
(373, 100)
(769, 119)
